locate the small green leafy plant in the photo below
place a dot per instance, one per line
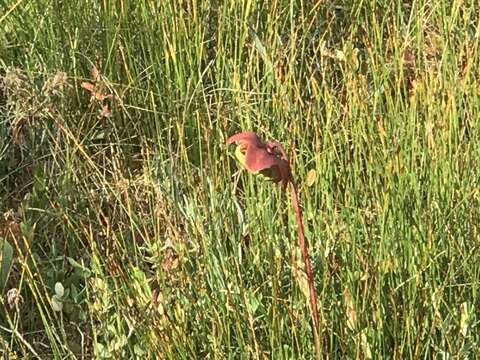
(271, 160)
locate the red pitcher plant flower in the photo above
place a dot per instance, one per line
(270, 160)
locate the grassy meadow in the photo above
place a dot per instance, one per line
(128, 230)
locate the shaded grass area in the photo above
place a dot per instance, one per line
(163, 249)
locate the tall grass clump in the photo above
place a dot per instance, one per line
(126, 233)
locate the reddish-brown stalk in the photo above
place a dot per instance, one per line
(308, 266)
(271, 160)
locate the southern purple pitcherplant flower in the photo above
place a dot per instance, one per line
(270, 160)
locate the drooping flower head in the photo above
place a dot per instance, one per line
(268, 159)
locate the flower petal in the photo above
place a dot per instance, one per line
(258, 159)
(240, 154)
(269, 159)
(247, 137)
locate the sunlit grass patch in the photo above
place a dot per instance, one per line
(126, 230)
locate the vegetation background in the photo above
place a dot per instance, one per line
(127, 231)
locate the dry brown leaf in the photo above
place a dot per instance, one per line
(170, 260)
(96, 94)
(350, 310)
(105, 112)
(87, 86)
(95, 73)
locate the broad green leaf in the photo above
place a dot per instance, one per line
(6, 261)
(59, 290)
(57, 304)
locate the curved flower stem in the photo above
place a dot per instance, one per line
(308, 268)
(271, 159)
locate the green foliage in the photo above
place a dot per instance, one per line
(6, 260)
(163, 250)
